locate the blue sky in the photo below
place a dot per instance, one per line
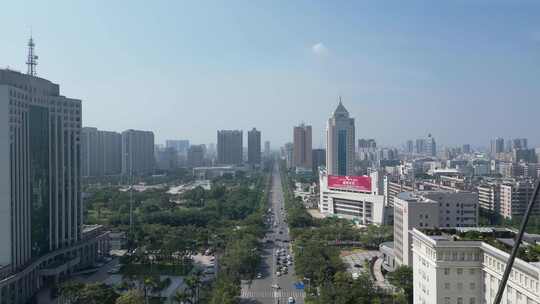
(464, 71)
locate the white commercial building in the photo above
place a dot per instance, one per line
(455, 266)
(366, 206)
(430, 209)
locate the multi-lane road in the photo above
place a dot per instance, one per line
(263, 290)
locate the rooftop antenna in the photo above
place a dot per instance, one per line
(31, 61)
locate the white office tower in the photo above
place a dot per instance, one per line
(465, 265)
(340, 142)
(41, 231)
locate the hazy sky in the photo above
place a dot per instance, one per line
(463, 70)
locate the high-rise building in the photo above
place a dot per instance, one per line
(340, 142)
(524, 155)
(179, 145)
(101, 152)
(267, 148)
(431, 146)
(91, 152)
(254, 147)
(166, 158)
(319, 159)
(287, 154)
(229, 146)
(112, 152)
(195, 156)
(302, 147)
(367, 144)
(515, 197)
(41, 222)
(137, 152)
(497, 146)
(466, 149)
(519, 143)
(420, 146)
(409, 147)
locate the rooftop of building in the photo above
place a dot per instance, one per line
(500, 238)
(414, 197)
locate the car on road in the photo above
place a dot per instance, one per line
(259, 275)
(276, 286)
(278, 273)
(291, 300)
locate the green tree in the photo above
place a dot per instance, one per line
(97, 293)
(131, 297)
(402, 278)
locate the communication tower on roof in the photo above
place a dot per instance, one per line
(31, 61)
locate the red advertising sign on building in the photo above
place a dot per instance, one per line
(355, 183)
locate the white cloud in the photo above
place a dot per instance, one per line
(319, 49)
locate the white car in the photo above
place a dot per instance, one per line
(276, 286)
(278, 273)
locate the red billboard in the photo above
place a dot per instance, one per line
(354, 183)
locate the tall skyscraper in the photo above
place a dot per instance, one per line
(229, 146)
(254, 147)
(497, 146)
(431, 146)
(137, 152)
(340, 142)
(420, 147)
(409, 147)
(39, 159)
(302, 146)
(519, 143)
(41, 222)
(287, 154)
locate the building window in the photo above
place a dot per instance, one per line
(459, 300)
(460, 271)
(446, 271)
(460, 286)
(446, 286)
(446, 300)
(472, 286)
(471, 271)
(472, 300)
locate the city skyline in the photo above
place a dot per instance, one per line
(224, 67)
